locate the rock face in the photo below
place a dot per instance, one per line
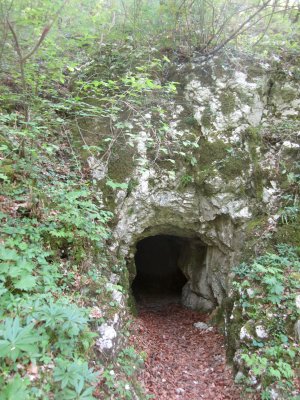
(203, 221)
(110, 339)
(297, 324)
(218, 167)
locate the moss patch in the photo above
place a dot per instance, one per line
(227, 103)
(288, 94)
(121, 165)
(201, 176)
(212, 151)
(190, 121)
(207, 154)
(256, 224)
(289, 233)
(234, 166)
(253, 137)
(206, 119)
(219, 158)
(233, 326)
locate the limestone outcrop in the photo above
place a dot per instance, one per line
(222, 167)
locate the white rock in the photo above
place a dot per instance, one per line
(253, 380)
(141, 143)
(255, 116)
(97, 167)
(201, 325)
(268, 193)
(297, 300)
(236, 209)
(297, 330)
(241, 79)
(261, 332)
(116, 318)
(289, 113)
(289, 145)
(239, 377)
(273, 184)
(114, 278)
(274, 395)
(244, 334)
(117, 296)
(108, 333)
(179, 109)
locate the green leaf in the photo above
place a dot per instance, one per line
(26, 283)
(8, 254)
(193, 161)
(15, 389)
(277, 289)
(259, 267)
(274, 372)
(116, 185)
(4, 177)
(17, 339)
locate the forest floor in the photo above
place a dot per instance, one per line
(182, 362)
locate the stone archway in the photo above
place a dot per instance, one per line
(210, 231)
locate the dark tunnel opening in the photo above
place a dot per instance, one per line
(157, 268)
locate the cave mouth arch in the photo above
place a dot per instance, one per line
(164, 266)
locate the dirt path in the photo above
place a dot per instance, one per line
(183, 362)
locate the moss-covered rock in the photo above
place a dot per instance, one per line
(288, 232)
(207, 117)
(121, 163)
(235, 166)
(211, 151)
(227, 100)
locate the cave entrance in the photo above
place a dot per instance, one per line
(158, 272)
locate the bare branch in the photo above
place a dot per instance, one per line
(38, 43)
(16, 40)
(21, 62)
(45, 32)
(239, 29)
(268, 24)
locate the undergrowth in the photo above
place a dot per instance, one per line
(269, 354)
(54, 266)
(60, 73)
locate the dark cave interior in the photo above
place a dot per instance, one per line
(157, 267)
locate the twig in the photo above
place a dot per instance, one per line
(238, 30)
(22, 61)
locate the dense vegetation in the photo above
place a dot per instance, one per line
(64, 63)
(267, 290)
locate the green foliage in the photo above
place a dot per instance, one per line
(115, 185)
(16, 340)
(267, 289)
(47, 234)
(74, 379)
(104, 69)
(186, 180)
(77, 220)
(15, 389)
(119, 385)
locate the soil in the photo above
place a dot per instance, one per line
(182, 362)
